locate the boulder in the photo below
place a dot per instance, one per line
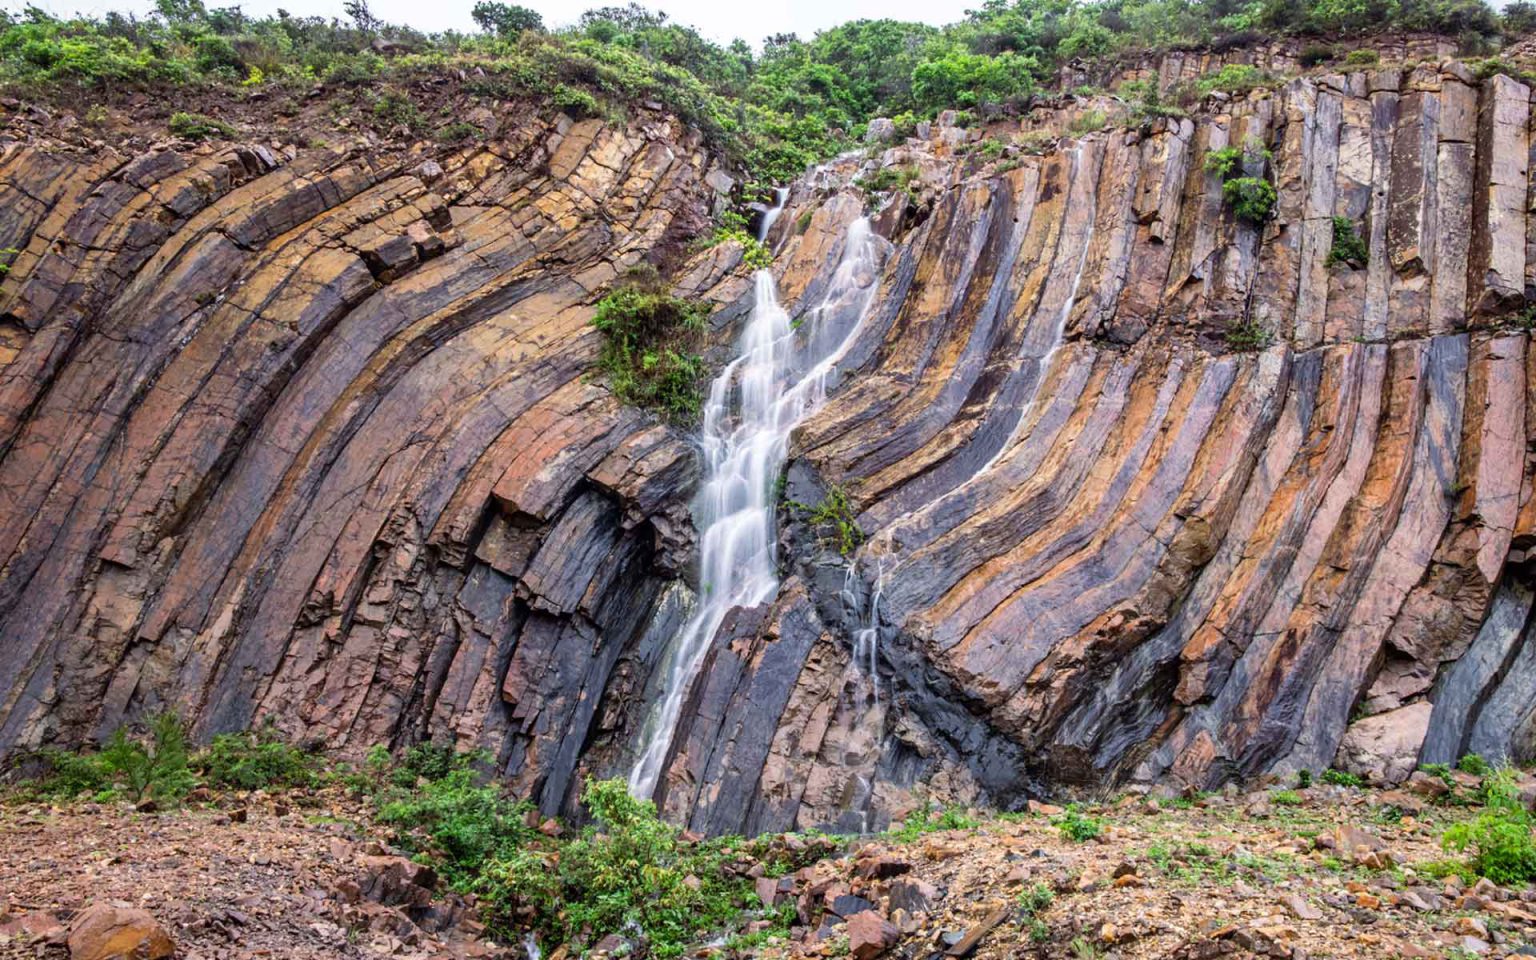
(1385, 748)
(107, 931)
(870, 935)
(879, 130)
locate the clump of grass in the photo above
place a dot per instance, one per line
(1342, 778)
(1286, 798)
(1087, 122)
(649, 337)
(196, 126)
(1474, 764)
(930, 819)
(1248, 336)
(1078, 826)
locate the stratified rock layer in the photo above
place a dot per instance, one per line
(315, 442)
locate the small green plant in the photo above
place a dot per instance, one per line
(1342, 778)
(991, 149)
(835, 518)
(1234, 78)
(1252, 198)
(1033, 901)
(1441, 770)
(1286, 798)
(1303, 779)
(196, 126)
(1315, 55)
(648, 341)
(1348, 246)
(930, 819)
(458, 132)
(1364, 57)
(1078, 826)
(733, 229)
(1088, 121)
(394, 109)
(1248, 336)
(1474, 764)
(1499, 839)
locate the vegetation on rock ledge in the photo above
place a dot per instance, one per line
(649, 339)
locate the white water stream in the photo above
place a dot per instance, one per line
(779, 377)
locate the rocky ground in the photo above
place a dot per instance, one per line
(296, 875)
(1326, 871)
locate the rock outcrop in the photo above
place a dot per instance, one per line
(315, 441)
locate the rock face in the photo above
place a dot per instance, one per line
(314, 442)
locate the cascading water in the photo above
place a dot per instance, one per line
(779, 377)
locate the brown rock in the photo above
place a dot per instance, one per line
(870, 935)
(104, 931)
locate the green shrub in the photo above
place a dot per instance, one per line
(1499, 839)
(1077, 826)
(195, 126)
(461, 823)
(930, 819)
(394, 109)
(1342, 778)
(1234, 78)
(575, 101)
(1364, 57)
(254, 760)
(1249, 336)
(1286, 798)
(458, 132)
(154, 767)
(1348, 246)
(1303, 779)
(1315, 55)
(648, 342)
(1252, 199)
(1474, 764)
(629, 873)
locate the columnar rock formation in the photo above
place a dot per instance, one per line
(314, 441)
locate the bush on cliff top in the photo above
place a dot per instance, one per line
(773, 112)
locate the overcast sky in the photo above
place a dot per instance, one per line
(721, 20)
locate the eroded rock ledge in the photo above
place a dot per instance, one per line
(313, 440)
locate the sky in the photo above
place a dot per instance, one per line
(720, 20)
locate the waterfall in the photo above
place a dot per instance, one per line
(771, 216)
(779, 377)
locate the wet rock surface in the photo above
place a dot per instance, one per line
(312, 439)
